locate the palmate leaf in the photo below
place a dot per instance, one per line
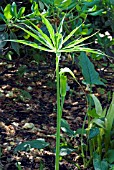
(88, 71)
(35, 35)
(43, 37)
(55, 42)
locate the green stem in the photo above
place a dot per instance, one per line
(58, 114)
(82, 148)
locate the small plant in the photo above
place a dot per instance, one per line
(99, 133)
(55, 43)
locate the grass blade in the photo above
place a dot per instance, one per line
(109, 122)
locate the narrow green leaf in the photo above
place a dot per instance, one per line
(50, 29)
(96, 13)
(31, 15)
(60, 28)
(78, 41)
(32, 44)
(2, 17)
(92, 3)
(14, 9)
(21, 12)
(46, 38)
(71, 34)
(108, 123)
(110, 115)
(98, 106)
(80, 49)
(58, 40)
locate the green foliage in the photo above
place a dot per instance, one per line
(90, 75)
(66, 128)
(93, 133)
(99, 135)
(24, 95)
(66, 151)
(98, 107)
(3, 36)
(62, 4)
(110, 156)
(22, 70)
(38, 144)
(70, 23)
(98, 164)
(14, 45)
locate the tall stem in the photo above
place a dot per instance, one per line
(58, 114)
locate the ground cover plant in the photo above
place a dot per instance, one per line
(52, 40)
